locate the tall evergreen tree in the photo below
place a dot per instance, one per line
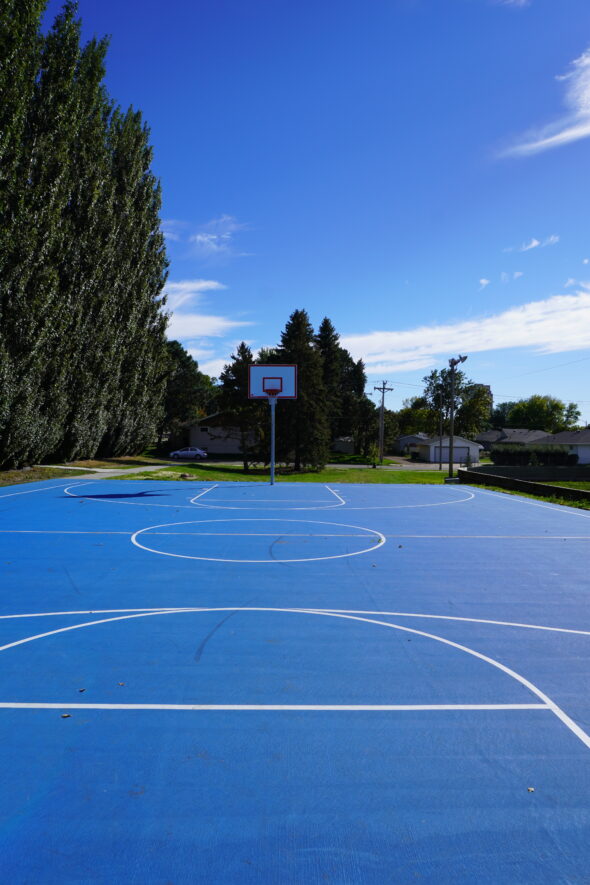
(302, 426)
(328, 344)
(82, 261)
(247, 416)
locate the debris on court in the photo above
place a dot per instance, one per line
(66, 716)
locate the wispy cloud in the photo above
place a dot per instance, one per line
(483, 283)
(534, 243)
(216, 238)
(519, 4)
(188, 290)
(557, 324)
(187, 325)
(172, 229)
(573, 126)
(569, 282)
(517, 275)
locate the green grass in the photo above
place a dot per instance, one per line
(121, 463)
(37, 474)
(220, 473)
(340, 458)
(579, 484)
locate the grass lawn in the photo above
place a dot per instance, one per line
(579, 484)
(118, 463)
(36, 474)
(220, 473)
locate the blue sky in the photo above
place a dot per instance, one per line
(417, 170)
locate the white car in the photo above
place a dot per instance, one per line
(192, 453)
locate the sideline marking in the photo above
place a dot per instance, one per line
(10, 705)
(32, 491)
(380, 540)
(94, 499)
(558, 712)
(561, 508)
(204, 492)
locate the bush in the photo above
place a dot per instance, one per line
(532, 456)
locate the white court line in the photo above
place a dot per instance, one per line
(558, 712)
(149, 503)
(470, 497)
(17, 705)
(32, 491)
(186, 609)
(303, 535)
(340, 498)
(380, 540)
(205, 492)
(562, 508)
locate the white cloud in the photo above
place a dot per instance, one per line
(557, 324)
(504, 277)
(517, 275)
(216, 238)
(585, 260)
(574, 125)
(213, 367)
(569, 282)
(184, 326)
(187, 290)
(483, 283)
(171, 228)
(534, 243)
(190, 325)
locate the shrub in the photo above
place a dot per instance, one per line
(532, 456)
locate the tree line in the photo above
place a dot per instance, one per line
(83, 357)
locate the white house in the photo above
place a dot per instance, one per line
(577, 441)
(465, 451)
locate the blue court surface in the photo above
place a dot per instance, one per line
(240, 683)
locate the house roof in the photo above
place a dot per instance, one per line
(567, 438)
(419, 435)
(511, 435)
(434, 441)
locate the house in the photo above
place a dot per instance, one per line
(577, 441)
(217, 436)
(509, 435)
(403, 443)
(344, 445)
(465, 451)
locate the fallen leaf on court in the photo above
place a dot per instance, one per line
(81, 689)
(120, 683)
(66, 716)
(531, 789)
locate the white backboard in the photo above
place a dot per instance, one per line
(264, 381)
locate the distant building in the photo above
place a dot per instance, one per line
(218, 436)
(577, 441)
(509, 435)
(403, 443)
(465, 451)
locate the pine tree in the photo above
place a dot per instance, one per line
(327, 340)
(248, 416)
(302, 425)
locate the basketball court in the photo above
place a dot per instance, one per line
(294, 683)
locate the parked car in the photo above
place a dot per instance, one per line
(191, 453)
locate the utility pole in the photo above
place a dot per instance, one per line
(382, 390)
(453, 363)
(440, 428)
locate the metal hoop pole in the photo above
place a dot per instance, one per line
(272, 401)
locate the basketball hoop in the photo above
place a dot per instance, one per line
(272, 393)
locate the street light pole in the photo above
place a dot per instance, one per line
(453, 363)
